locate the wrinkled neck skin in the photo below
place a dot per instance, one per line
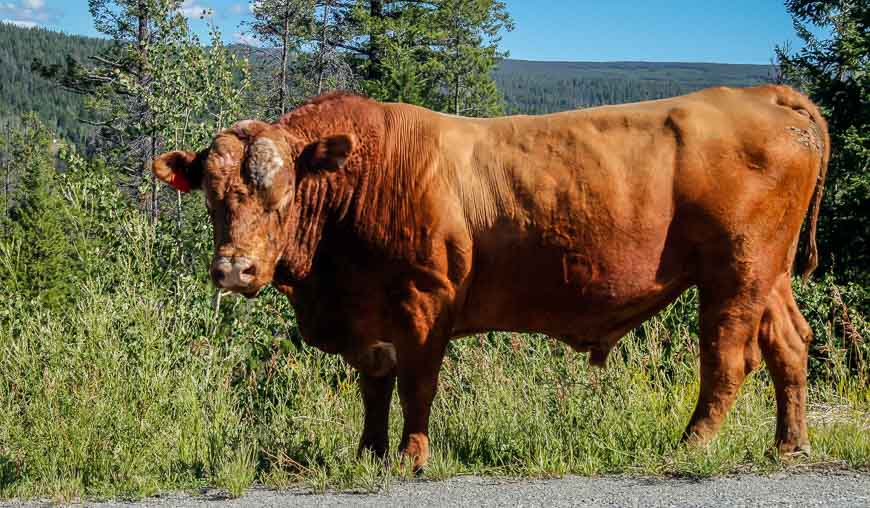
(363, 210)
(361, 196)
(313, 205)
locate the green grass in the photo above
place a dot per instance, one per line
(138, 387)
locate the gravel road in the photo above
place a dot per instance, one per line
(838, 489)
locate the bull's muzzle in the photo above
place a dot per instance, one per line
(237, 274)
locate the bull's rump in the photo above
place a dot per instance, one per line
(587, 222)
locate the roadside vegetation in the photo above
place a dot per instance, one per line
(139, 387)
(123, 373)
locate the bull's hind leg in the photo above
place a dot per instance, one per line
(784, 338)
(729, 325)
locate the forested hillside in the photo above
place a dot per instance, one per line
(528, 87)
(545, 87)
(21, 91)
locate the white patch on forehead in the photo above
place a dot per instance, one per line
(264, 162)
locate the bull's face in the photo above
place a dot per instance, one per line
(249, 176)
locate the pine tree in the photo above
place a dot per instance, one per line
(329, 65)
(157, 88)
(115, 80)
(467, 54)
(439, 53)
(280, 26)
(37, 226)
(835, 72)
(186, 113)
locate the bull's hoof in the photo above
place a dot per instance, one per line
(378, 448)
(417, 465)
(416, 454)
(695, 439)
(792, 451)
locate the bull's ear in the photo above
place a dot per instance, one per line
(327, 154)
(181, 170)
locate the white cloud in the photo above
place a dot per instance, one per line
(192, 9)
(245, 39)
(27, 13)
(21, 23)
(237, 8)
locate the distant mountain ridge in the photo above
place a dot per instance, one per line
(699, 72)
(531, 87)
(543, 87)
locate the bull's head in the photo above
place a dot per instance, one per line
(249, 176)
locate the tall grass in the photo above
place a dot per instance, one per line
(139, 386)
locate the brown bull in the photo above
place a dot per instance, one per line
(393, 229)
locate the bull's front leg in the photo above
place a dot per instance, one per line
(425, 316)
(418, 382)
(416, 362)
(377, 377)
(377, 392)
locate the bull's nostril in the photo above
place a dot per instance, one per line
(251, 270)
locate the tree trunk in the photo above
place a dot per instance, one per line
(142, 35)
(143, 17)
(456, 95)
(321, 63)
(376, 40)
(458, 82)
(285, 54)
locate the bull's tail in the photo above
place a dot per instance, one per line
(807, 258)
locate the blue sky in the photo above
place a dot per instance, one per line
(735, 31)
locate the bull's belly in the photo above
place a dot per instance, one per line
(581, 299)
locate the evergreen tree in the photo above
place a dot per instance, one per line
(156, 88)
(22, 90)
(116, 80)
(466, 55)
(5, 172)
(329, 66)
(452, 43)
(185, 112)
(280, 27)
(37, 228)
(835, 72)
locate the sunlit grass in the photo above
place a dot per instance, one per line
(140, 387)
